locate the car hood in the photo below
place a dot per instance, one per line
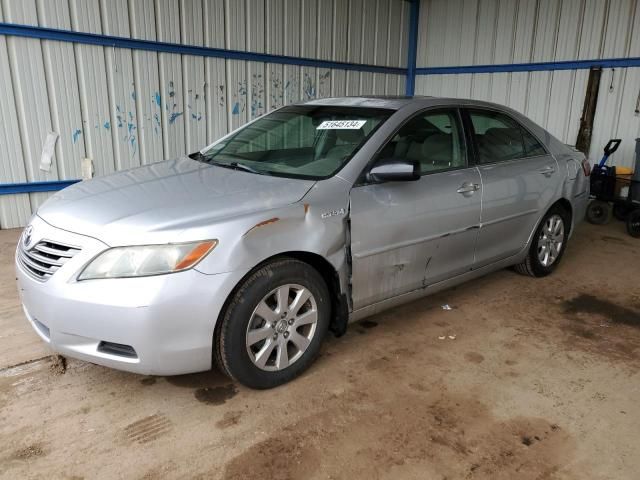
(170, 196)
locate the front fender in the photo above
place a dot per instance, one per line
(316, 224)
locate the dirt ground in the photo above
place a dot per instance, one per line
(524, 378)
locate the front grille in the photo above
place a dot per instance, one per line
(45, 258)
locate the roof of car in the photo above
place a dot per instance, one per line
(394, 102)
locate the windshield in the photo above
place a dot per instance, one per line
(303, 141)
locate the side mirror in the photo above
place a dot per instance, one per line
(394, 170)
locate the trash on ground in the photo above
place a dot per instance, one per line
(446, 306)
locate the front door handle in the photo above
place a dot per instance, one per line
(468, 188)
(547, 171)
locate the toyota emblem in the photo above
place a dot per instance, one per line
(26, 239)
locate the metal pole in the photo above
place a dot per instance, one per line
(412, 50)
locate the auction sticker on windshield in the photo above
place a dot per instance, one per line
(341, 124)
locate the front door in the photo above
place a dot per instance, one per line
(407, 235)
(519, 179)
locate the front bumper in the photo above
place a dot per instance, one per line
(168, 320)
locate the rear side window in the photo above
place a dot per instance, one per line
(500, 138)
(532, 146)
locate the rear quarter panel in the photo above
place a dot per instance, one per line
(575, 185)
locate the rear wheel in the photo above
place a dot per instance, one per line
(633, 223)
(621, 211)
(274, 324)
(599, 212)
(548, 244)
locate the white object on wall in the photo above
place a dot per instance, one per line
(87, 169)
(47, 151)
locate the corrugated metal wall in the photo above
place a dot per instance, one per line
(488, 32)
(123, 107)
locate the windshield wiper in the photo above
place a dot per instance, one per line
(246, 168)
(235, 166)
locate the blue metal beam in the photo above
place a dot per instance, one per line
(412, 50)
(43, 33)
(533, 67)
(51, 186)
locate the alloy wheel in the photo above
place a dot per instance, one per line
(281, 327)
(551, 240)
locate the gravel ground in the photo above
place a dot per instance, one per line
(523, 378)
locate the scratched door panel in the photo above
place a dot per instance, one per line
(405, 235)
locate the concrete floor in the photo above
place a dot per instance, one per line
(535, 378)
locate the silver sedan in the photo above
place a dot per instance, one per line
(246, 253)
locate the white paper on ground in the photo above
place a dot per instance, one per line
(47, 151)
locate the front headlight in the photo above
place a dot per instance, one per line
(145, 260)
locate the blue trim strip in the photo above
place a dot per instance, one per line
(414, 19)
(43, 33)
(52, 186)
(534, 67)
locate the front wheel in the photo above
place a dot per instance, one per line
(548, 244)
(274, 324)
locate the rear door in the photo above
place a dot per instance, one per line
(519, 180)
(406, 235)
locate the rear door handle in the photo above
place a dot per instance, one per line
(468, 188)
(547, 171)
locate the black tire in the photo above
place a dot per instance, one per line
(599, 212)
(230, 348)
(621, 211)
(633, 223)
(532, 266)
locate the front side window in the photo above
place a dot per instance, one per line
(500, 138)
(434, 139)
(302, 141)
